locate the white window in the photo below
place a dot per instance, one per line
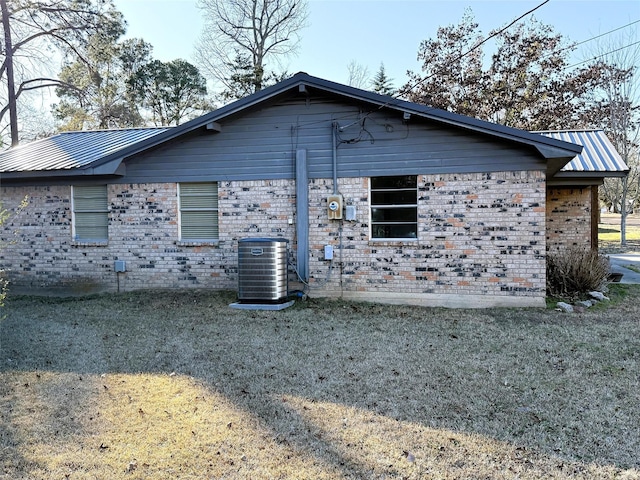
(394, 208)
(90, 218)
(198, 203)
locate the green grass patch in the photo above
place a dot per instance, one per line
(609, 239)
(611, 233)
(618, 293)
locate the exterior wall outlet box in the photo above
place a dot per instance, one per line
(119, 266)
(334, 207)
(328, 252)
(350, 213)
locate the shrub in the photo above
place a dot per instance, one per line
(576, 270)
(4, 284)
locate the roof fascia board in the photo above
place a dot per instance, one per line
(575, 182)
(113, 168)
(591, 174)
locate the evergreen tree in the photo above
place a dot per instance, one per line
(381, 83)
(94, 92)
(171, 91)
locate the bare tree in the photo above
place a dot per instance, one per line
(358, 75)
(263, 30)
(619, 102)
(35, 30)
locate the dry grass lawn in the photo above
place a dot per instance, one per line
(164, 385)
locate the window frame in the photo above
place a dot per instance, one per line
(87, 192)
(185, 211)
(392, 206)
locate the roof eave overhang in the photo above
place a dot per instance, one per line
(583, 178)
(619, 174)
(575, 181)
(549, 148)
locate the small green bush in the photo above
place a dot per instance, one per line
(575, 271)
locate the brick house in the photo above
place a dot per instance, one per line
(431, 207)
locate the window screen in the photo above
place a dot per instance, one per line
(90, 213)
(198, 211)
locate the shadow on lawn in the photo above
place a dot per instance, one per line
(406, 374)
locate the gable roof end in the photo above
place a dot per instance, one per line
(556, 152)
(107, 160)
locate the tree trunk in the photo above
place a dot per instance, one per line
(11, 87)
(623, 212)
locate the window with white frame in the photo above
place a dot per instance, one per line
(90, 218)
(198, 203)
(394, 207)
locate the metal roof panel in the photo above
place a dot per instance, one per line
(598, 155)
(69, 150)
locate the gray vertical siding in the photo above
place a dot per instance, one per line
(263, 144)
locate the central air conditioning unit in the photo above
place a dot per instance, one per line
(262, 270)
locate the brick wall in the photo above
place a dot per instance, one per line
(569, 216)
(143, 231)
(479, 234)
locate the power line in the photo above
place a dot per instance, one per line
(602, 34)
(475, 47)
(602, 55)
(399, 93)
(574, 45)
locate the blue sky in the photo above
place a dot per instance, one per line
(373, 31)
